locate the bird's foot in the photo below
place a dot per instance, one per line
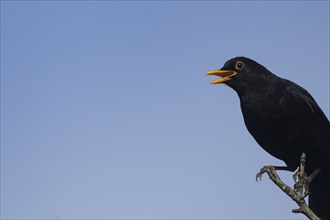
(300, 189)
(302, 182)
(262, 171)
(270, 169)
(298, 186)
(296, 175)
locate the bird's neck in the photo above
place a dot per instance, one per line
(257, 88)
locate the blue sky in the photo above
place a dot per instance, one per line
(106, 111)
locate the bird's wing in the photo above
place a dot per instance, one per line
(306, 103)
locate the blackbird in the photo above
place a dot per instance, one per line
(286, 121)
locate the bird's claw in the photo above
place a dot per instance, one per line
(261, 172)
(302, 187)
(259, 175)
(302, 182)
(296, 175)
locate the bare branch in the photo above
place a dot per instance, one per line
(297, 194)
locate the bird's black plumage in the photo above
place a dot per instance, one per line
(285, 120)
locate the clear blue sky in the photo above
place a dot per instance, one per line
(106, 111)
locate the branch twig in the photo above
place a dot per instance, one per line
(295, 194)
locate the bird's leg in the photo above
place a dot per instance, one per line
(302, 181)
(263, 170)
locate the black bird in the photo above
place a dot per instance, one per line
(285, 121)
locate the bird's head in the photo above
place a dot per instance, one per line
(241, 73)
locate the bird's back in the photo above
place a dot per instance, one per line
(285, 121)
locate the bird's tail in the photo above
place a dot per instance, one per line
(319, 198)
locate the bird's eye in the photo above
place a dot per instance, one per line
(239, 65)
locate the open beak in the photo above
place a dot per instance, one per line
(225, 74)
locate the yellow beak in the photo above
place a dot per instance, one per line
(225, 74)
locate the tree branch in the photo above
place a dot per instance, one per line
(297, 193)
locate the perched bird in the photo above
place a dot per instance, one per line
(285, 120)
